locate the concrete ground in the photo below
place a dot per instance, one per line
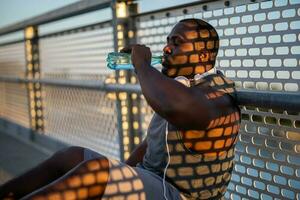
(17, 156)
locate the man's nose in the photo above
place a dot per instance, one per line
(167, 50)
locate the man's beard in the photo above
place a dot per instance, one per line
(164, 64)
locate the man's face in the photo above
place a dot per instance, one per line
(188, 51)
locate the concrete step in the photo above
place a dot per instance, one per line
(16, 157)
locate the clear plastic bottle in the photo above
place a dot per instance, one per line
(118, 61)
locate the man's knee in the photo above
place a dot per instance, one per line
(69, 152)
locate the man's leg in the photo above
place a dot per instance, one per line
(86, 181)
(105, 179)
(43, 174)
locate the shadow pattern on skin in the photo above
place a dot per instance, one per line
(201, 161)
(95, 179)
(87, 181)
(199, 49)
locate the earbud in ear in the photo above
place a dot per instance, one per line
(203, 57)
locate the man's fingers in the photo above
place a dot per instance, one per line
(126, 50)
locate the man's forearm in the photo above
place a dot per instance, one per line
(137, 155)
(160, 91)
(172, 100)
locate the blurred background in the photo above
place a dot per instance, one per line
(17, 10)
(56, 91)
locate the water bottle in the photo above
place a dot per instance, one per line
(118, 61)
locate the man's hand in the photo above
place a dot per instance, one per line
(140, 55)
(137, 154)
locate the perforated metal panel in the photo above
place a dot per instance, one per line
(259, 49)
(261, 45)
(14, 103)
(79, 54)
(14, 99)
(79, 116)
(82, 117)
(146, 115)
(12, 60)
(267, 156)
(259, 42)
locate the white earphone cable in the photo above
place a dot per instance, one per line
(168, 163)
(185, 82)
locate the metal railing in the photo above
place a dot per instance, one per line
(59, 86)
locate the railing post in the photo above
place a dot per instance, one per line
(127, 104)
(33, 72)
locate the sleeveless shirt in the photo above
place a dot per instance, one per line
(201, 161)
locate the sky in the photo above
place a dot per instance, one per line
(12, 11)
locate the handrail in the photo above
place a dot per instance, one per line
(256, 98)
(76, 8)
(269, 99)
(83, 84)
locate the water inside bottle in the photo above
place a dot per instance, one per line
(120, 61)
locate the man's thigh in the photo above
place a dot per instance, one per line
(132, 183)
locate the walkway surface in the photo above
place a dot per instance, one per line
(17, 156)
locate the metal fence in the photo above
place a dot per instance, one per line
(85, 104)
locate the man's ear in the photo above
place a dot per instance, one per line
(204, 56)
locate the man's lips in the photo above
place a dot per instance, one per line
(164, 71)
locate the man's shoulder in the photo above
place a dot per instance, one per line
(217, 85)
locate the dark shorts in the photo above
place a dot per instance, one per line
(128, 183)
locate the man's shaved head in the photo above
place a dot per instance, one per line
(205, 32)
(192, 48)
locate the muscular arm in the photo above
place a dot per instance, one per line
(172, 100)
(186, 108)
